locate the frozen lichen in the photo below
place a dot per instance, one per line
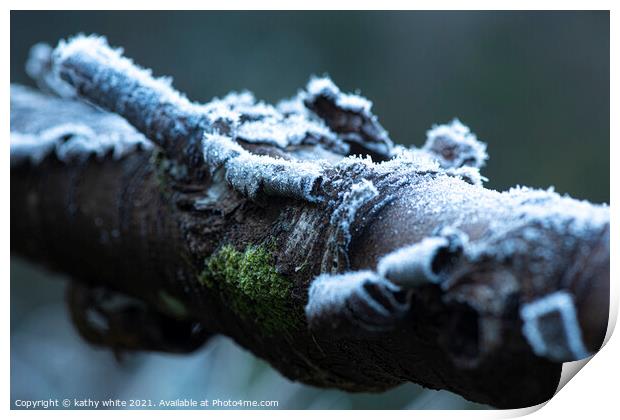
(269, 131)
(39, 68)
(551, 327)
(29, 148)
(344, 215)
(468, 174)
(360, 299)
(218, 150)
(292, 130)
(428, 261)
(527, 236)
(257, 110)
(323, 86)
(422, 162)
(221, 112)
(552, 210)
(254, 175)
(72, 142)
(343, 219)
(235, 100)
(240, 116)
(294, 105)
(404, 158)
(252, 287)
(237, 108)
(103, 75)
(348, 115)
(454, 146)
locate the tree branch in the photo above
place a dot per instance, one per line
(250, 220)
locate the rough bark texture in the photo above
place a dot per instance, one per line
(288, 246)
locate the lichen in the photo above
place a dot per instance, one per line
(427, 261)
(361, 299)
(349, 116)
(455, 146)
(255, 175)
(342, 220)
(73, 142)
(552, 329)
(252, 287)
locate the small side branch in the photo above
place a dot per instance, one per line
(106, 78)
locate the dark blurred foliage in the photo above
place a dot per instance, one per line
(533, 85)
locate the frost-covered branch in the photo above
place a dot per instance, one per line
(265, 224)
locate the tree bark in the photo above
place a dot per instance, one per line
(339, 271)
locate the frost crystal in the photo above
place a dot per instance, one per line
(96, 47)
(38, 67)
(289, 131)
(252, 174)
(294, 105)
(352, 200)
(428, 261)
(29, 147)
(558, 212)
(410, 158)
(455, 145)
(323, 86)
(348, 115)
(468, 174)
(102, 75)
(550, 326)
(72, 142)
(344, 215)
(359, 298)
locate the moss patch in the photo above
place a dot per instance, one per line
(250, 284)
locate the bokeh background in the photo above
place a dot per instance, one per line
(533, 85)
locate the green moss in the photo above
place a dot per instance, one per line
(250, 284)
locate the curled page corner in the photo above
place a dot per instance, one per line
(569, 370)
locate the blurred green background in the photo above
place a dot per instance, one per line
(533, 85)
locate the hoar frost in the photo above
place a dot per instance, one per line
(323, 86)
(427, 261)
(72, 142)
(341, 300)
(252, 174)
(550, 325)
(455, 145)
